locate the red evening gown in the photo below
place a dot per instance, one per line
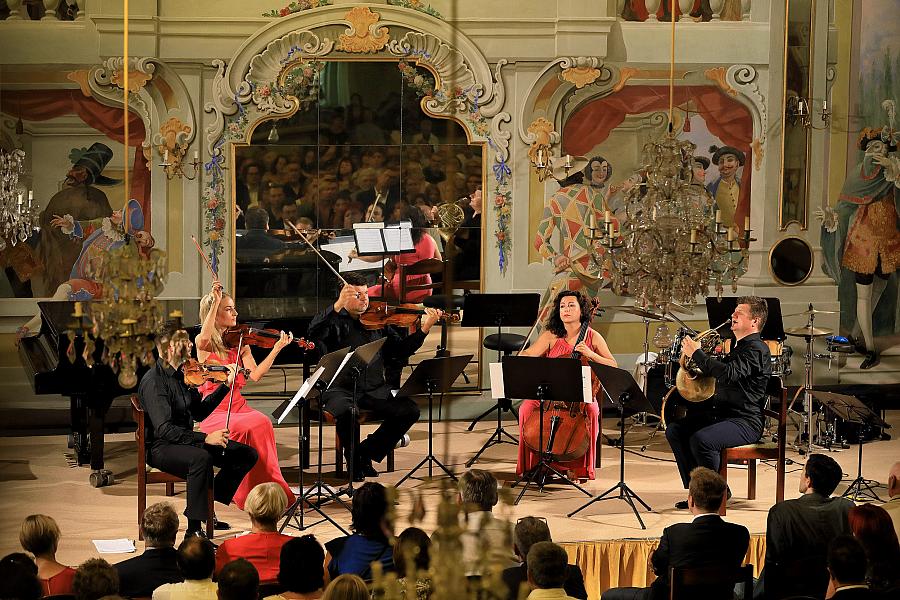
(247, 426)
(582, 467)
(425, 249)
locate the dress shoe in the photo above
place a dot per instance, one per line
(870, 360)
(220, 525)
(681, 505)
(198, 533)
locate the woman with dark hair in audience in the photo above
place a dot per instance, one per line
(370, 540)
(344, 174)
(873, 527)
(301, 572)
(39, 535)
(265, 504)
(411, 559)
(19, 577)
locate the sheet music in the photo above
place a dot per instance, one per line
(342, 247)
(586, 384)
(369, 239)
(496, 374)
(301, 393)
(340, 369)
(399, 238)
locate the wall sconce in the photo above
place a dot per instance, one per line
(799, 111)
(175, 168)
(558, 167)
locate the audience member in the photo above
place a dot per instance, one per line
(411, 559)
(94, 579)
(249, 188)
(528, 532)
(256, 239)
(39, 535)
(262, 546)
(847, 569)
(799, 530)
(370, 540)
(301, 570)
(872, 526)
(707, 540)
(467, 262)
(239, 580)
(346, 587)
(290, 212)
(158, 565)
(892, 506)
(547, 571)
(293, 186)
(197, 560)
(485, 539)
(275, 199)
(19, 577)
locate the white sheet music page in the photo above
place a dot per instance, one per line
(586, 384)
(496, 374)
(399, 238)
(368, 238)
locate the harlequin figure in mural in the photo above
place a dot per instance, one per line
(569, 211)
(861, 241)
(726, 189)
(84, 201)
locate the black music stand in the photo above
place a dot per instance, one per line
(852, 410)
(329, 367)
(545, 379)
(498, 310)
(430, 376)
(618, 384)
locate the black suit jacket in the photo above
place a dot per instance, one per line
(707, 540)
(139, 576)
(857, 594)
(513, 577)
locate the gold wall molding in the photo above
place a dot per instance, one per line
(364, 34)
(718, 76)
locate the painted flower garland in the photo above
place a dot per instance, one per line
(416, 5)
(295, 7)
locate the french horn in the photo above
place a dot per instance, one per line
(692, 384)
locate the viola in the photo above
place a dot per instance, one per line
(379, 314)
(197, 373)
(261, 338)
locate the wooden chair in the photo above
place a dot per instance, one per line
(147, 474)
(689, 583)
(429, 266)
(750, 453)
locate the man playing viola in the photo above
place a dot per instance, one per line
(338, 326)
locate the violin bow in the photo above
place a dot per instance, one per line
(237, 365)
(319, 254)
(203, 256)
(536, 322)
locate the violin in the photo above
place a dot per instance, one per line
(197, 373)
(380, 314)
(261, 338)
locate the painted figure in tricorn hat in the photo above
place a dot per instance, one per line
(726, 189)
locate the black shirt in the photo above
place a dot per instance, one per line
(741, 379)
(171, 406)
(334, 330)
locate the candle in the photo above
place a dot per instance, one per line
(693, 236)
(568, 161)
(718, 216)
(731, 234)
(746, 223)
(593, 222)
(607, 216)
(540, 161)
(166, 156)
(78, 311)
(196, 156)
(30, 197)
(20, 199)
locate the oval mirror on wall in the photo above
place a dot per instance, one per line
(791, 261)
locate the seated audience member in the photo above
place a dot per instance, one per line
(262, 546)
(19, 577)
(892, 506)
(370, 540)
(799, 530)
(547, 572)
(39, 535)
(485, 538)
(238, 580)
(528, 532)
(411, 559)
(158, 565)
(197, 560)
(94, 579)
(707, 540)
(346, 587)
(847, 569)
(290, 212)
(256, 237)
(301, 570)
(872, 526)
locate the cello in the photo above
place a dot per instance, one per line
(566, 426)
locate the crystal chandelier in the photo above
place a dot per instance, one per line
(18, 218)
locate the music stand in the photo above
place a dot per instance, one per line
(618, 384)
(852, 410)
(498, 310)
(546, 379)
(430, 376)
(329, 367)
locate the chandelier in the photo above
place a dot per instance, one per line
(18, 218)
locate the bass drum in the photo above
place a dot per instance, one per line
(675, 408)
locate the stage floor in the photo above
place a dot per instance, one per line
(37, 476)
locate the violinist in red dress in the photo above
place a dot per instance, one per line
(567, 330)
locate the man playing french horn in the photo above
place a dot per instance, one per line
(733, 415)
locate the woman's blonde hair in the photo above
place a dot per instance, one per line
(346, 587)
(215, 342)
(39, 534)
(266, 502)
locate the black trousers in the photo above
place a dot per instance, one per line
(698, 440)
(196, 466)
(398, 414)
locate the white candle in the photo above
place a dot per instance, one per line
(693, 236)
(568, 161)
(718, 216)
(731, 234)
(30, 197)
(593, 221)
(196, 156)
(540, 158)
(607, 216)
(746, 223)
(166, 156)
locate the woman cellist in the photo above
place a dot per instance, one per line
(559, 340)
(246, 425)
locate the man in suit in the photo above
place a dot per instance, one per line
(256, 243)
(547, 572)
(707, 540)
(892, 506)
(139, 576)
(802, 528)
(847, 569)
(197, 560)
(528, 532)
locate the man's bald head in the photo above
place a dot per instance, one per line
(894, 480)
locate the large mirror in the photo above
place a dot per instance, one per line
(359, 149)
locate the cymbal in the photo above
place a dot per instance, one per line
(643, 313)
(679, 308)
(811, 311)
(808, 331)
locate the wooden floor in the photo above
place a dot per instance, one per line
(36, 475)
